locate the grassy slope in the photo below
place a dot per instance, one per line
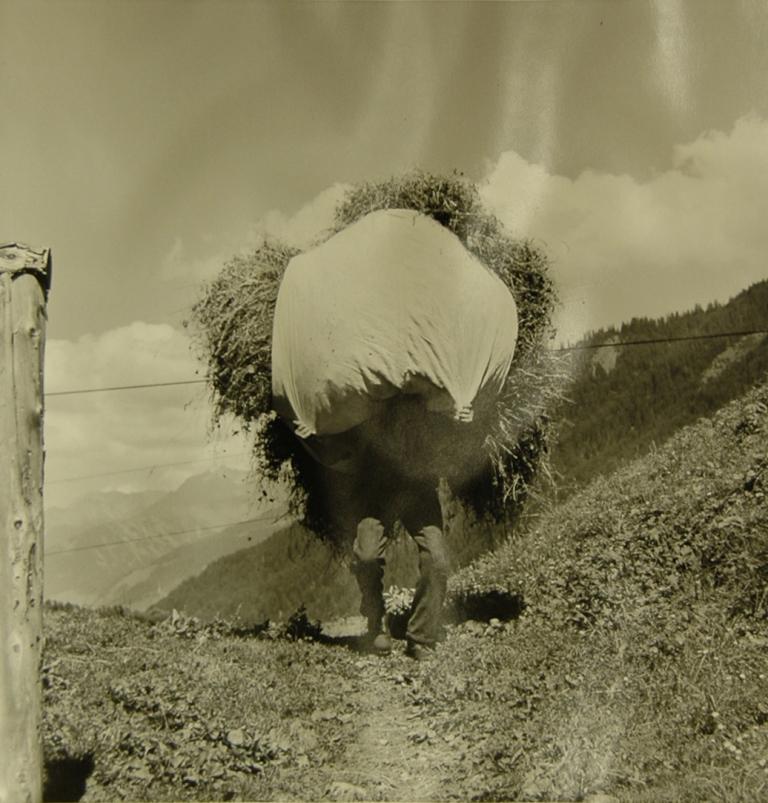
(650, 391)
(170, 711)
(293, 568)
(637, 669)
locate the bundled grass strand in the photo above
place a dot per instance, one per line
(520, 432)
(232, 323)
(507, 445)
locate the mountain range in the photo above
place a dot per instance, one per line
(116, 548)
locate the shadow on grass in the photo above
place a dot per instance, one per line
(353, 643)
(65, 778)
(482, 607)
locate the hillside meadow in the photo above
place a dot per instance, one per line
(622, 403)
(634, 671)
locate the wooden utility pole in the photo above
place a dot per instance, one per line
(25, 277)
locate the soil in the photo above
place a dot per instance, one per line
(394, 756)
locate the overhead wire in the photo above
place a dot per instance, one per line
(148, 467)
(150, 537)
(584, 347)
(79, 391)
(655, 340)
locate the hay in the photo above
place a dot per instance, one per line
(232, 323)
(232, 327)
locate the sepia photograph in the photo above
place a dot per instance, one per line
(384, 400)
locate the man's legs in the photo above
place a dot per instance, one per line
(424, 624)
(368, 567)
(422, 518)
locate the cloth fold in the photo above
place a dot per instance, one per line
(393, 304)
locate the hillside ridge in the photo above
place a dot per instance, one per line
(626, 401)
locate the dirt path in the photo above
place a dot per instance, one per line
(396, 756)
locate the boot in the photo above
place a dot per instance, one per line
(378, 640)
(419, 652)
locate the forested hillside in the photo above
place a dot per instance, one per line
(269, 581)
(625, 400)
(293, 568)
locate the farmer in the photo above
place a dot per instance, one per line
(387, 459)
(386, 339)
(420, 515)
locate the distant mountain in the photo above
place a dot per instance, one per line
(146, 585)
(67, 524)
(628, 399)
(292, 567)
(132, 548)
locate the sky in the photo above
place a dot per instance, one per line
(145, 143)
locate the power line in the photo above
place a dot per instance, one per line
(149, 537)
(77, 391)
(144, 468)
(654, 340)
(586, 347)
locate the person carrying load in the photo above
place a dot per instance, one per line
(389, 340)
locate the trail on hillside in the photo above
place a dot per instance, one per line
(395, 756)
(391, 751)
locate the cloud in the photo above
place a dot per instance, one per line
(301, 229)
(624, 247)
(101, 433)
(306, 226)
(181, 262)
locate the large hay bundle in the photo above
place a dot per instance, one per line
(233, 323)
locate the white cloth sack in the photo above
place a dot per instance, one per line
(392, 304)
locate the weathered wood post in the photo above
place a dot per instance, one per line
(24, 281)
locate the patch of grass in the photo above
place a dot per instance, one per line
(638, 665)
(182, 711)
(637, 668)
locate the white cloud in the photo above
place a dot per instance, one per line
(306, 226)
(622, 247)
(100, 433)
(301, 229)
(179, 264)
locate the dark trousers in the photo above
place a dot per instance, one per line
(417, 506)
